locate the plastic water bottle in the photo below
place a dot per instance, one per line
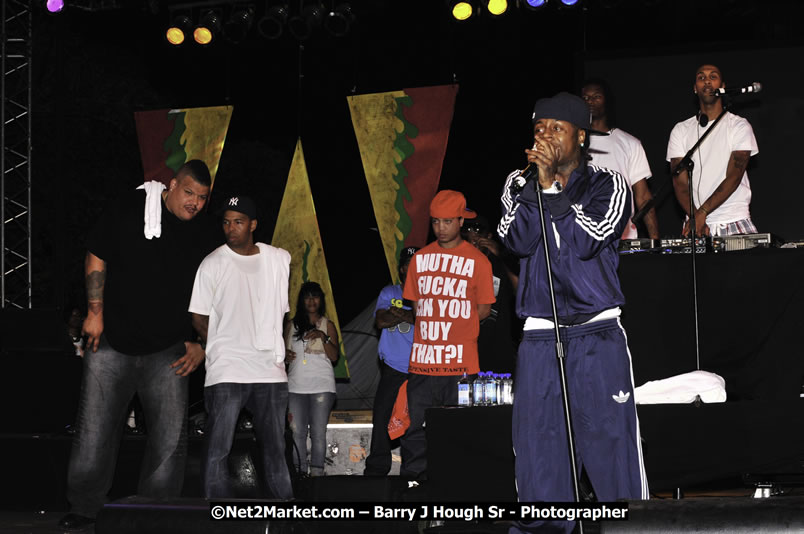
(478, 390)
(508, 389)
(490, 390)
(499, 383)
(464, 391)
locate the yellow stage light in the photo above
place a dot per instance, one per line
(202, 36)
(208, 28)
(497, 7)
(178, 31)
(462, 10)
(175, 36)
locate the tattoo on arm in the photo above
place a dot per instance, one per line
(95, 281)
(741, 159)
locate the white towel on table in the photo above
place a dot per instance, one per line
(683, 389)
(153, 208)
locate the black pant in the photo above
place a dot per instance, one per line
(424, 392)
(379, 459)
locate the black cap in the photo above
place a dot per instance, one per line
(406, 254)
(565, 107)
(241, 204)
(479, 224)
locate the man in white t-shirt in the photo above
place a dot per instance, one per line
(239, 300)
(619, 151)
(720, 187)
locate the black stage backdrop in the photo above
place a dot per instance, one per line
(92, 70)
(750, 311)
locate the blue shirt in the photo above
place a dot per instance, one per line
(394, 347)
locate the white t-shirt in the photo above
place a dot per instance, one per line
(711, 161)
(311, 371)
(621, 152)
(245, 298)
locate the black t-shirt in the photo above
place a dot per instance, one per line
(148, 282)
(496, 342)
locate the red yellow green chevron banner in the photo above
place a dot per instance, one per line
(170, 137)
(402, 136)
(297, 232)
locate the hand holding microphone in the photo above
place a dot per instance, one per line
(544, 157)
(542, 166)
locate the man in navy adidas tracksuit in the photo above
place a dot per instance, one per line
(586, 209)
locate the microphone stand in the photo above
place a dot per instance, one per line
(686, 164)
(562, 371)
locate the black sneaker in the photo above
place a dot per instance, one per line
(75, 522)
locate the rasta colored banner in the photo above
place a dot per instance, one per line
(170, 137)
(402, 137)
(297, 232)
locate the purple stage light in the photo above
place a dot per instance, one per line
(536, 3)
(54, 6)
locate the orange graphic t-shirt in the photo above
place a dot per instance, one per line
(447, 285)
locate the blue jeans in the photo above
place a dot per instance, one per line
(378, 462)
(267, 403)
(109, 383)
(310, 409)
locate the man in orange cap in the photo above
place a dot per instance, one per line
(450, 284)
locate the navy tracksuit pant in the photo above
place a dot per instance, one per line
(601, 393)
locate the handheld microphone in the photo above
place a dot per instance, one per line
(753, 88)
(531, 172)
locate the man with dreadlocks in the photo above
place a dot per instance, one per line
(586, 209)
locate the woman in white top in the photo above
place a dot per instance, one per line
(312, 343)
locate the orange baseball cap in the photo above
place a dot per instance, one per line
(448, 204)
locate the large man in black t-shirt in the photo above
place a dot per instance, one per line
(139, 279)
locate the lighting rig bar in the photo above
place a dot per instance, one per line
(206, 22)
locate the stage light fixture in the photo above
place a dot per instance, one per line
(239, 23)
(272, 24)
(178, 32)
(497, 7)
(535, 4)
(209, 27)
(54, 6)
(339, 20)
(569, 3)
(303, 25)
(461, 9)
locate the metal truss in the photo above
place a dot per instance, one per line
(15, 160)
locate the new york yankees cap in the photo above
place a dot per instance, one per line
(240, 204)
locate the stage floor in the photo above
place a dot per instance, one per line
(45, 521)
